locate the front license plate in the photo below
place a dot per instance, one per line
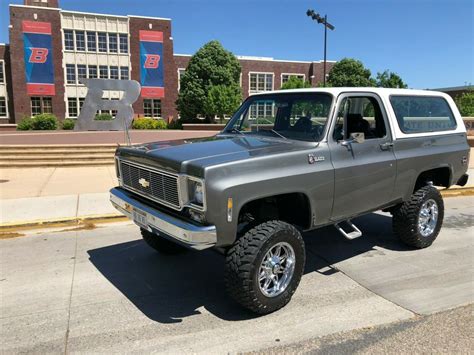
(139, 217)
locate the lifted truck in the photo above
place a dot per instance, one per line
(293, 161)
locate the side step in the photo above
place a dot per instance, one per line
(353, 233)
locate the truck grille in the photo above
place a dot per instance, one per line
(158, 186)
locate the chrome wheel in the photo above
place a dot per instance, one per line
(276, 269)
(428, 218)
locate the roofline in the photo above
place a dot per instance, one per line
(87, 13)
(151, 18)
(35, 7)
(456, 88)
(266, 59)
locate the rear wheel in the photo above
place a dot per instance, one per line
(264, 266)
(417, 222)
(161, 244)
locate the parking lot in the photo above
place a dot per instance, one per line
(102, 289)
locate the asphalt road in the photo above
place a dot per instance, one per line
(104, 290)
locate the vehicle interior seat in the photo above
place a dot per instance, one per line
(356, 123)
(304, 124)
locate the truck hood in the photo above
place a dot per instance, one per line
(192, 156)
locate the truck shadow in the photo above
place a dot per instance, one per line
(169, 288)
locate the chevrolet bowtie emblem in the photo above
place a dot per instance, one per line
(144, 182)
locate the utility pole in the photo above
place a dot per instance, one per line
(324, 20)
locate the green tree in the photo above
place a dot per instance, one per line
(465, 103)
(222, 100)
(388, 79)
(210, 66)
(350, 72)
(295, 83)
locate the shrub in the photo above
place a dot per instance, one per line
(43, 122)
(68, 124)
(148, 123)
(465, 103)
(25, 124)
(175, 124)
(103, 117)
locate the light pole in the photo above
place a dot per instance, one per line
(324, 20)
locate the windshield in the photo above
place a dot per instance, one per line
(300, 116)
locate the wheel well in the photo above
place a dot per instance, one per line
(438, 176)
(293, 208)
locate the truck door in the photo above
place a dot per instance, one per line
(365, 166)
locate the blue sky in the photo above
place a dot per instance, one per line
(428, 42)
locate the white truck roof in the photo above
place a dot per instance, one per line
(384, 94)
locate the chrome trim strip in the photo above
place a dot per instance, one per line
(193, 236)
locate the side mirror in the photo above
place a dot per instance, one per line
(356, 137)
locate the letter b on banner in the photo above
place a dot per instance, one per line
(94, 102)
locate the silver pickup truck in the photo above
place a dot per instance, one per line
(292, 161)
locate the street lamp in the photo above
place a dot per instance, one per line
(324, 20)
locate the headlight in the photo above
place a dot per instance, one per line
(196, 192)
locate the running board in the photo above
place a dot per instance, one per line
(353, 234)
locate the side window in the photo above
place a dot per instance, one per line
(417, 114)
(359, 114)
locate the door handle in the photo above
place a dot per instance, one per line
(386, 146)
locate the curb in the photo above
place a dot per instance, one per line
(9, 228)
(462, 191)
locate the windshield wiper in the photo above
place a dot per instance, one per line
(278, 134)
(233, 129)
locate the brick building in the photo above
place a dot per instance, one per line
(50, 49)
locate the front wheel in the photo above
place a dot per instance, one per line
(264, 266)
(417, 222)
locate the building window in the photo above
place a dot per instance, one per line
(81, 72)
(91, 42)
(261, 109)
(114, 73)
(152, 108)
(3, 107)
(41, 105)
(70, 73)
(47, 105)
(81, 103)
(35, 106)
(286, 77)
(112, 42)
(124, 73)
(181, 72)
(80, 41)
(68, 40)
(2, 71)
(72, 107)
(103, 72)
(92, 71)
(261, 82)
(102, 41)
(123, 43)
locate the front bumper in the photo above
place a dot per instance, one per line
(177, 230)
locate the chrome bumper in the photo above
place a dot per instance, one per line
(192, 236)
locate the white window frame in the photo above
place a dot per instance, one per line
(73, 39)
(179, 77)
(261, 73)
(120, 36)
(6, 107)
(3, 78)
(66, 72)
(290, 75)
(84, 41)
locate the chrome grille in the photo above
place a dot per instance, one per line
(162, 187)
